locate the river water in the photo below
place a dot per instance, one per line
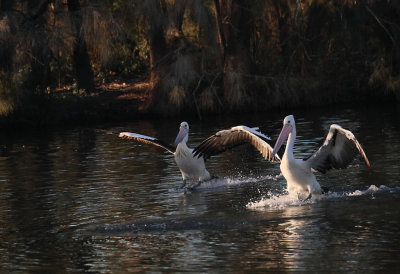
(75, 200)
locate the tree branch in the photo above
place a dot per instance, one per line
(380, 23)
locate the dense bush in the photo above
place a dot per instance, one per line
(202, 56)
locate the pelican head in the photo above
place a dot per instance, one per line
(288, 124)
(183, 133)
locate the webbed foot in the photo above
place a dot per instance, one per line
(183, 184)
(308, 197)
(195, 186)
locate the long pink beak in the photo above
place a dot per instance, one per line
(182, 133)
(286, 130)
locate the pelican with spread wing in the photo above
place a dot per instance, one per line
(191, 162)
(338, 151)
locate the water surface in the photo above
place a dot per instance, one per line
(78, 200)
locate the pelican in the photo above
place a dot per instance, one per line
(338, 150)
(192, 166)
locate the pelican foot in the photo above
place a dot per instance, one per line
(308, 197)
(195, 186)
(183, 184)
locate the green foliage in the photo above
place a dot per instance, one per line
(128, 59)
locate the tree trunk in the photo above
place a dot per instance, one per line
(165, 37)
(7, 45)
(158, 50)
(166, 41)
(83, 69)
(234, 21)
(41, 52)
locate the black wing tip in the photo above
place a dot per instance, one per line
(197, 153)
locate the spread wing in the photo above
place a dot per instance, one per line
(339, 149)
(147, 140)
(235, 136)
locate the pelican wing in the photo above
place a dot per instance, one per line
(147, 140)
(235, 136)
(339, 149)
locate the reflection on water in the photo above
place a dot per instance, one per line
(80, 200)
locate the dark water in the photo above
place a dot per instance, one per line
(81, 200)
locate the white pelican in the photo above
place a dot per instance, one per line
(192, 166)
(338, 150)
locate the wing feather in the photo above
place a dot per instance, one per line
(233, 137)
(147, 140)
(338, 150)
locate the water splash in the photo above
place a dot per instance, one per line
(230, 182)
(227, 182)
(278, 202)
(371, 190)
(282, 201)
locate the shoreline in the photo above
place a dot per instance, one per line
(122, 102)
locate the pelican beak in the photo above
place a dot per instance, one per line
(286, 130)
(181, 135)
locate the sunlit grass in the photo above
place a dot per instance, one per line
(7, 95)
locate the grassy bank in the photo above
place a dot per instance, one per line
(120, 101)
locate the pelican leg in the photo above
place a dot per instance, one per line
(195, 186)
(183, 184)
(308, 197)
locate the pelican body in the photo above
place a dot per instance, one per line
(191, 162)
(339, 149)
(191, 168)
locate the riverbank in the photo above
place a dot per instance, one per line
(121, 100)
(64, 106)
